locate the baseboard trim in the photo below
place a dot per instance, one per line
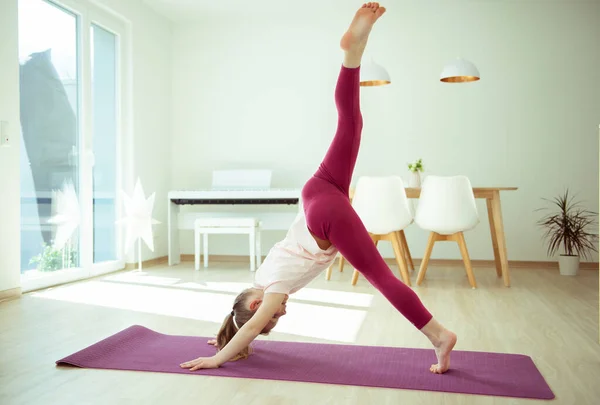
(149, 263)
(11, 294)
(515, 264)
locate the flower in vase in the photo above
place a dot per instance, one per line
(416, 166)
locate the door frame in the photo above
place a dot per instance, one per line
(88, 14)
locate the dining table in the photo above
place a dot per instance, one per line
(496, 224)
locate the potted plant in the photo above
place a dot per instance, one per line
(568, 231)
(51, 259)
(415, 173)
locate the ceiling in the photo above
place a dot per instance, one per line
(189, 10)
(186, 10)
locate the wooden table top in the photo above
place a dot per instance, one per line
(480, 192)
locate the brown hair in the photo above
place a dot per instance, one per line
(242, 314)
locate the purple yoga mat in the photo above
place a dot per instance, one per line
(140, 349)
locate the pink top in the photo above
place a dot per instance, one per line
(294, 262)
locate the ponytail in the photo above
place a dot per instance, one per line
(236, 319)
(226, 333)
(240, 314)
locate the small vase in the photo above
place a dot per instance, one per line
(414, 179)
(568, 265)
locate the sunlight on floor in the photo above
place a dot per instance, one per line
(306, 294)
(141, 277)
(154, 300)
(303, 319)
(338, 324)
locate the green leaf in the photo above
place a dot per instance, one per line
(567, 227)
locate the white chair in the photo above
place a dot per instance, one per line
(447, 209)
(382, 205)
(248, 226)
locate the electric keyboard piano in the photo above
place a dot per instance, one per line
(227, 196)
(285, 196)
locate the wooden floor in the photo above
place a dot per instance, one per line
(551, 318)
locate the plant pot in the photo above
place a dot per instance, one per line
(414, 179)
(568, 265)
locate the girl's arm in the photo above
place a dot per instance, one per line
(247, 333)
(251, 329)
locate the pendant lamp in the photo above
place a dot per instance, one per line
(372, 74)
(459, 71)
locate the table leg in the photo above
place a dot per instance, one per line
(500, 239)
(406, 249)
(490, 211)
(173, 233)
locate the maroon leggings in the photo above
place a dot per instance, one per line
(330, 216)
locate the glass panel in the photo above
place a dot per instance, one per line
(104, 96)
(49, 90)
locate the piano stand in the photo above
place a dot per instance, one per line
(268, 197)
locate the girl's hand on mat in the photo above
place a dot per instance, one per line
(200, 362)
(213, 342)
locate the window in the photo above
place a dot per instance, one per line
(71, 109)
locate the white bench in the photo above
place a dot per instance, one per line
(242, 225)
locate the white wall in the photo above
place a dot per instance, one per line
(258, 92)
(9, 156)
(151, 126)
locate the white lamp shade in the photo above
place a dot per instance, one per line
(372, 74)
(458, 71)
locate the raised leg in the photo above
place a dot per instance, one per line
(426, 256)
(329, 214)
(339, 161)
(490, 210)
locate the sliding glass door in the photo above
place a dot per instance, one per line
(70, 87)
(105, 117)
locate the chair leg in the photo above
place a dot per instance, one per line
(460, 238)
(330, 268)
(258, 248)
(196, 250)
(252, 237)
(406, 249)
(341, 264)
(328, 272)
(355, 275)
(426, 256)
(400, 257)
(205, 237)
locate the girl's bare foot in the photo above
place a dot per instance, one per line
(360, 27)
(443, 346)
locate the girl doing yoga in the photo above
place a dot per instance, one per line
(327, 224)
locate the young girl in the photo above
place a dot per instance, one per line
(326, 224)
